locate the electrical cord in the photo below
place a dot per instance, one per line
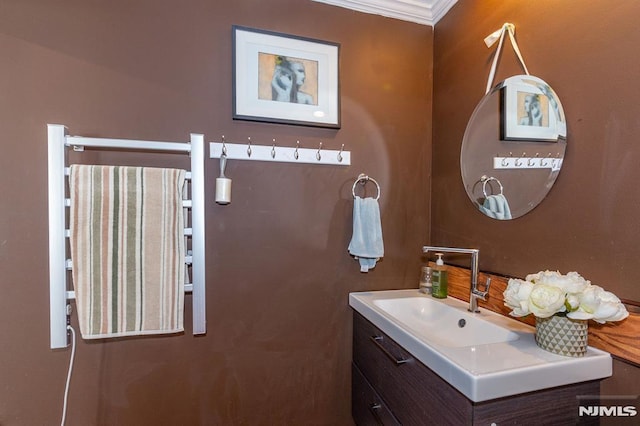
(66, 388)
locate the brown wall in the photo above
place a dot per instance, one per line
(588, 222)
(278, 347)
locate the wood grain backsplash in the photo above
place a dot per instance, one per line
(621, 339)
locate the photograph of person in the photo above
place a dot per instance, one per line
(286, 79)
(533, 109)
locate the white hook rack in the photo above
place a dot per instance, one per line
(273, 152)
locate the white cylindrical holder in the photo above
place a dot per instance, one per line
(223, 190)
(223, 184)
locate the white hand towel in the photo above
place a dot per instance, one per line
(366, 242)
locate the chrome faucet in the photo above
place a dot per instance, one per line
(475, 294)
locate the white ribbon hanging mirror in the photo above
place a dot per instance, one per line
(514, 143)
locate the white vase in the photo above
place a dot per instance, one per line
(562, 335)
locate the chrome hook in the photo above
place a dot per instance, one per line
(557, 162)
(340, 153)
(318, 156)
(295, 153)
(518, 163)
(224, 147)
(544, 162)
(273, 149)
(249, 147)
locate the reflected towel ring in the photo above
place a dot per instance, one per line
(484, 180)
(364, 178)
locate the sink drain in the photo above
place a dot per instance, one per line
(462, 322)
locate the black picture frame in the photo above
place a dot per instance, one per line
(530, 111)
(281, 78)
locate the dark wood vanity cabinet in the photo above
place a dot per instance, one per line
(390, 387)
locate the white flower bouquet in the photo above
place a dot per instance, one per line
(549, 293)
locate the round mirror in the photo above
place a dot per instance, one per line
(513, 147)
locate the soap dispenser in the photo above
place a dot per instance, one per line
(439, 279)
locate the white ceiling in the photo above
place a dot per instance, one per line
(426, 12)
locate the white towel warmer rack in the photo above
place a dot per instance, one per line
(59, 264)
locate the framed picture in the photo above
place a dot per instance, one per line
(280, 78)
(530, 111)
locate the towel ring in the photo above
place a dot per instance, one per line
(484, 180)
(364, 178)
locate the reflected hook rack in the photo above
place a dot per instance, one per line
(527, 162)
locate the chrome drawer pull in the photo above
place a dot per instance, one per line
(377, 341)
(375, 408)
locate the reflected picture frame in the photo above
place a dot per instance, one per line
(529, 111)
(281, 78)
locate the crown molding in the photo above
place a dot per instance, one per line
(425, 12)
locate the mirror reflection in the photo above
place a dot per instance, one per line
(513, 147)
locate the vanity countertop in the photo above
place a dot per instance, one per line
(497, 356)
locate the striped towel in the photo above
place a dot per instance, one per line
(127, 249)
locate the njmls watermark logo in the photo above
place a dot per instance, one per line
(604, 411)
(618, 406)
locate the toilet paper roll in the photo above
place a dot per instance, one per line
(223, 190)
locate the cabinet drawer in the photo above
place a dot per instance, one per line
(414, 394)
(367, 407)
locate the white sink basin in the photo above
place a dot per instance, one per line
(443, 324)
(491, 356)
